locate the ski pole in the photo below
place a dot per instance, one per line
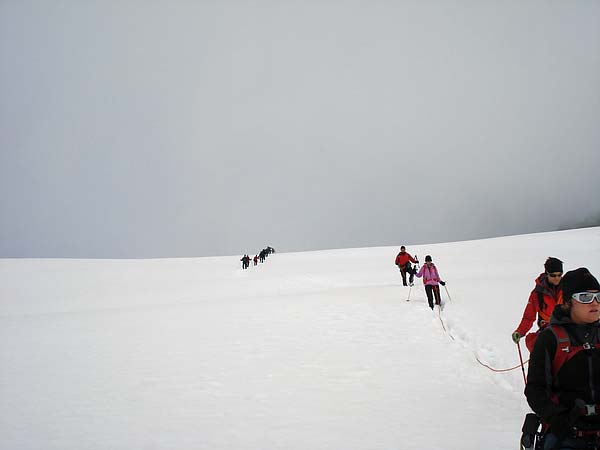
(449, 298)
(522, 366)
(409, 291)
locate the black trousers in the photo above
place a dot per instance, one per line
(411, 271)
(432, 291)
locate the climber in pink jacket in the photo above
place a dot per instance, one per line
(431, 280)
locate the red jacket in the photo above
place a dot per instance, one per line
(551, 296)
(403, 258)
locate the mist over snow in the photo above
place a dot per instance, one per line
(312, 350)
(204, 128)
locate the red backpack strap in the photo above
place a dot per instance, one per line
(563, 348)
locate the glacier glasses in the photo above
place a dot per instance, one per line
(586, 297)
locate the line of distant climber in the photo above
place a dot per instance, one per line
(259, 257)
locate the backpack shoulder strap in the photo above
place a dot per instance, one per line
(564, 350)
(541, 302)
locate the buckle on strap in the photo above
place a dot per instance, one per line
(590, 410)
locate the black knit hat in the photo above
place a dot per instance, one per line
(428, 258)
(578, 280)
(553, 265)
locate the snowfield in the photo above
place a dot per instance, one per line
(308, 351)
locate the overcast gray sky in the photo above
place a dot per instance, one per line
(196, 128)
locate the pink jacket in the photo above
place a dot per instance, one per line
(430, 275)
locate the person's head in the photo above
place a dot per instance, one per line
(428, 260)
(554, 270)
(581, 295)
(402, 249)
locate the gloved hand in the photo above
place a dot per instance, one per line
(516, 337)
(443, 283)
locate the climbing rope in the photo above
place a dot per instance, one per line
(498, 370)
(521, 365)
(442, 322)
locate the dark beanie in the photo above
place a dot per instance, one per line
(578, 280)
(553, 265)
(428, 258)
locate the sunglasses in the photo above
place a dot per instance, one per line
(586, 297)
(555, 275)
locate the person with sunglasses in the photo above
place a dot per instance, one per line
(563, 380)
(542, 301)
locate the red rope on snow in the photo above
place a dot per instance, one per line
(498, 370)
(522, 364)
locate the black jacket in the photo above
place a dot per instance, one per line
(550, 395)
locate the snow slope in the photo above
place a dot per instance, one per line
(314, 350)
